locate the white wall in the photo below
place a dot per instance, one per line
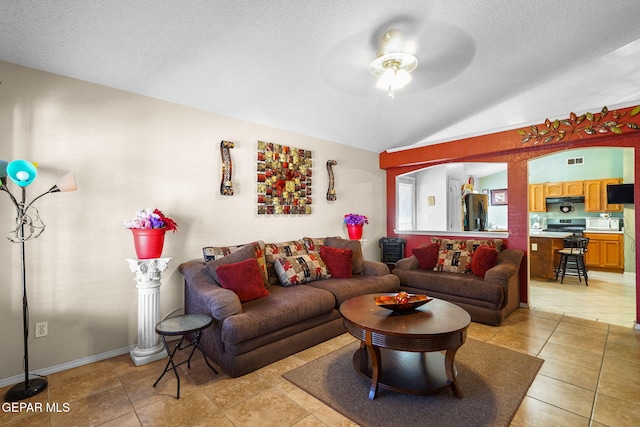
(431, 182)
(130, 152)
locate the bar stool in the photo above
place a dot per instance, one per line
(572, 259)
(183, 325)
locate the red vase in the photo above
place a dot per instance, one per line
(355, 231)
(148, 243)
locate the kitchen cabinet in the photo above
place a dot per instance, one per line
(536, 198)
(605, 252)
(553, 189)
(595, 195)
(543, 257)
(564, 189)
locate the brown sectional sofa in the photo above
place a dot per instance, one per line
(489, 300)
(247, 336)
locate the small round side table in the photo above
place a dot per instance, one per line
(183, 325)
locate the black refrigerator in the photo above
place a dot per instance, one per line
(475, 212)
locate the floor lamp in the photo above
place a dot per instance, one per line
(23, 173)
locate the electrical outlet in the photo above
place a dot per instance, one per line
(534, 246)
(41, 329)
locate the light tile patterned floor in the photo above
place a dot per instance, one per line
(610, 297)
(590, 377)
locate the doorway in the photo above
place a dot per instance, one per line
(610, 297)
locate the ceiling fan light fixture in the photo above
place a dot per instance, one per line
(393, 70)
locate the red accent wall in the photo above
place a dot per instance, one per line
(503, 147)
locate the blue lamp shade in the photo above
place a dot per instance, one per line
(22, 172)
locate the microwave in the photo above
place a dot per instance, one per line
(603, 224)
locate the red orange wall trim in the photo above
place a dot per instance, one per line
(506, 147)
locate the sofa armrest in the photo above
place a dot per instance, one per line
(409, 263)
(375, 268)
(203, 294)
(506, 272)
(507, 265)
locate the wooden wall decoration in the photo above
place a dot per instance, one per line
(331, 192)
(226, 185)
(605, 121)
(284, 180)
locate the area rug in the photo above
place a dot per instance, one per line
(493, 379)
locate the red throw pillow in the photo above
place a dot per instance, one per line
(338, 261)
(427, 255)
(484, 258)
(244, 278)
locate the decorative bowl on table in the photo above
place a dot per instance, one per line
(400, 303)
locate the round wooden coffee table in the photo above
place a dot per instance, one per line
(401, 352)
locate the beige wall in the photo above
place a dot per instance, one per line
(130, 152)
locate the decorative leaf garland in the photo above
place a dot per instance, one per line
(589, 123)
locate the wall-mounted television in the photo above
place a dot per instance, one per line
(619, 194)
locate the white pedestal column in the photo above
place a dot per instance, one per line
(148, 279)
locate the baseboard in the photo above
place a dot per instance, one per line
(68, 365)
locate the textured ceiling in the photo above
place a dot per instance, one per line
(303, 66)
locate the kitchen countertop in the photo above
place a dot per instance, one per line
(562, 234)
(604, 231)
(549, 234)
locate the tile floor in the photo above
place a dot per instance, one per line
(591, 377)
(610, 297)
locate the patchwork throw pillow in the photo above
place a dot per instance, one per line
(484, 258)
(338, 261)
(244, 278)
(274, 251)
(313, 243)
(217, 252)
(357, 262)
(296, 270)
(427, 255)
(454, 261)
(497, 244)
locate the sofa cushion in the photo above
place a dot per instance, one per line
(427, 255)
(273, 251)
(452, 287)
(217, 252)
(299, 269)
(484, 258)
(338, 261)
(344, 289)
(244, 278)
(282, 308)
(357, 262)
(454, 261)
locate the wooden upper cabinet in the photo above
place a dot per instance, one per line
(573, 188)
(564, 189)
(536, 198)
(595, 195)
(553, 189)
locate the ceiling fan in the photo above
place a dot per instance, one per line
(442, 50)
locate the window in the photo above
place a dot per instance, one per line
(405, 209)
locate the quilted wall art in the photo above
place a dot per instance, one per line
(284, 180)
